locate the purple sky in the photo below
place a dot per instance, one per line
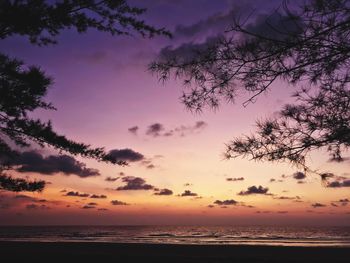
(102, 88)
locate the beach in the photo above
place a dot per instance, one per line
(113, 252)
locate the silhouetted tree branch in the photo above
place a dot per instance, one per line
(9, 183)
(41, 21)
(308, 46)
(22, 88)
(317, 121)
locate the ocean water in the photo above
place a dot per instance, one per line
(215, 235)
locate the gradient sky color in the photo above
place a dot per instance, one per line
(102, 88)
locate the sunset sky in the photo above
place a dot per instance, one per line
(177, 174)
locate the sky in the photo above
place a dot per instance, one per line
(177, 174)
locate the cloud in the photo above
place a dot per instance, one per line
(127, 155)
(88, 207)
(98, 196)
(186, 52)
(342, 202)
(299, 176)
(111, 179)
(316, 205)
(200, 125)
(76, 194)
(273, 180)
(213, 24)
(235, 179)
(102, 209)
(155, 129)
(94, 58)
(148, 164)
(188, 193)
(255, 190)
(92, 203)
(25, 197)
(287, 197)
(117, 202)
(339, 183)
(158, 129)
(184, 130)
(133, 130)
(36, 207)
(226, 202)
(276, 25)
(134, 183)
(248, 206)
(208, 32)
(32, 161)
(198, 36)
(29, 198)
(164, 191)
(4, 206)
(9, 200)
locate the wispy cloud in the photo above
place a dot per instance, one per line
(159, 130)
(133, 130)
(111, 179)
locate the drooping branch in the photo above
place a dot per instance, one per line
(42, 21)
(22, 87)
(313, 48)
(318, 121)
(305, 47)
(9, 183)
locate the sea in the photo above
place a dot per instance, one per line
(195, 235)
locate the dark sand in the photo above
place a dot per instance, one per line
(107, 252)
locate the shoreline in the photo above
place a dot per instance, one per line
(136, 252)
(238, 244)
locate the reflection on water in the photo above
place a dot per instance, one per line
(247, 235)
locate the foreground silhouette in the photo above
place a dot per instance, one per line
(306, 47)
(23, 88)
(20, 251)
